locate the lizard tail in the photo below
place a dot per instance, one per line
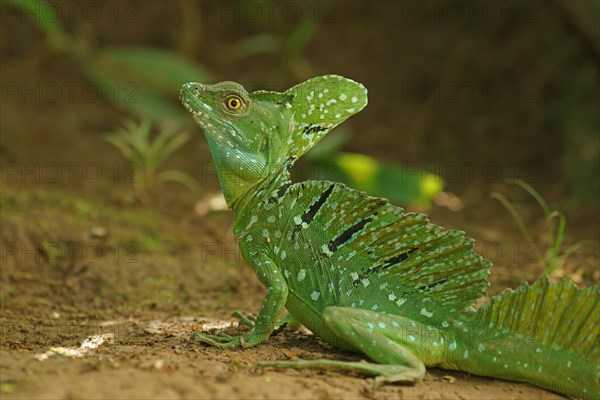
(556, 327)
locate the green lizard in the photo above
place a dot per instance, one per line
(363, 274)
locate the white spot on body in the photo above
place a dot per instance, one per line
(315, 296)
(326, 251)
(426, 313)
(301, 275)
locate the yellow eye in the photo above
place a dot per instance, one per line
(233, 103)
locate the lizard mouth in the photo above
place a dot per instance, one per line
(188, 106)
(184, 96)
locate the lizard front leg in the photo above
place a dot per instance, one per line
(288, 322)
(272, 306)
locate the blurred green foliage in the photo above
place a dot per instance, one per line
(581, 159)
(141, 80)
(147, 156)
(362, 172)
(553, 258)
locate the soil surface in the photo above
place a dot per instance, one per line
(83, 258)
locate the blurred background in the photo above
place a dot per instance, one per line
(482, 114)
(473, 93)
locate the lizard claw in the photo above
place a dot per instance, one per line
(221, 340)
(225, 341)
(243, 320)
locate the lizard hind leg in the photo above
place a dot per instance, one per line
(395, 363)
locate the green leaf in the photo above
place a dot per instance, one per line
(132, 97)
(180, 177)
(366, 173)
(260, 43)
(166, 143)
(299, 39)
(162, 70)
(46, 18)
(143, 81)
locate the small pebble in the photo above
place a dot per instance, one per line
(449, 378)
(98, 232)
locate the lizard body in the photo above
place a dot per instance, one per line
(363, 274)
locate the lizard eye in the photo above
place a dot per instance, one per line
(233, 103)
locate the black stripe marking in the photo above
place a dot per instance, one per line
(283, 189)
(399, 258)
(348, 234)
(316, 206)
(390, 262)
(313, 128)
(423, 288)
(280, 192)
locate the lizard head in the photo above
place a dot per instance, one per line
(243, 133)
(254, 136)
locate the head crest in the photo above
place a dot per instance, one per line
(319, 105)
